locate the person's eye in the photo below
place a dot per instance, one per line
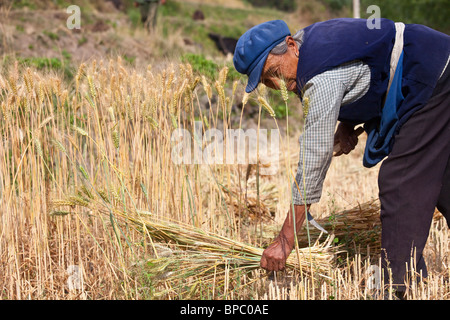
(275, 73)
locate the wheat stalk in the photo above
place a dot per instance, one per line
(266, 106)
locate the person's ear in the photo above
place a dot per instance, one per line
(292, 45)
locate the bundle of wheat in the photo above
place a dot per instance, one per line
(358, 229)
(220, 262)
(218, 251)
(192, 255)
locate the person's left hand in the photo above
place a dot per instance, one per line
(346, 137)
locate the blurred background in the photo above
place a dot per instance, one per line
(202, 32)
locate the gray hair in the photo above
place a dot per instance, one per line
(282, 47)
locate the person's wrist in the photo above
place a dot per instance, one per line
(287, 231)
(300, 213)
(288, 238)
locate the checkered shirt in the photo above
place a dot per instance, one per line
(326, 93)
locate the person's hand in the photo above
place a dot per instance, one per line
(345, 139)
(275, 256)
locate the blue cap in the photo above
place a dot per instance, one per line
(254, 46)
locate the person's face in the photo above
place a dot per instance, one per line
(283, 67)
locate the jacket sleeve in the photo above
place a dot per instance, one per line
(322, 99)
(325, 94)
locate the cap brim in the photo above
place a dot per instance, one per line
(255, 75)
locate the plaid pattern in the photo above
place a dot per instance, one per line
(326, 93)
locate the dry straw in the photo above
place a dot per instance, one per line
(358, 229)
(200, 257)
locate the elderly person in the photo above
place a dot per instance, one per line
(395, 81)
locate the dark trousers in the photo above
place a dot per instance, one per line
(413, 180)
(443, 204)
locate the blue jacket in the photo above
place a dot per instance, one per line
(331, 43)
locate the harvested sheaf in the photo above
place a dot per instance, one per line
(192, 256)
(358, 229)
(200, 257)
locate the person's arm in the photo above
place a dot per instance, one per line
(325, 97)
(325, 93)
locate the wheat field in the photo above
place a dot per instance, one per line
(93, 207)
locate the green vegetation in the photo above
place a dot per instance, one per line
(24, 3)
(129, 59)
(176, 18)
(51, 35)
(201, 65)
(82, 41)
(292, 5)
(89, 178)
(134, 17)
(55, 64)
(43, 63)
(336, 5)
(20, 28)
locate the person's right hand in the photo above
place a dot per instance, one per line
(275, 256)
